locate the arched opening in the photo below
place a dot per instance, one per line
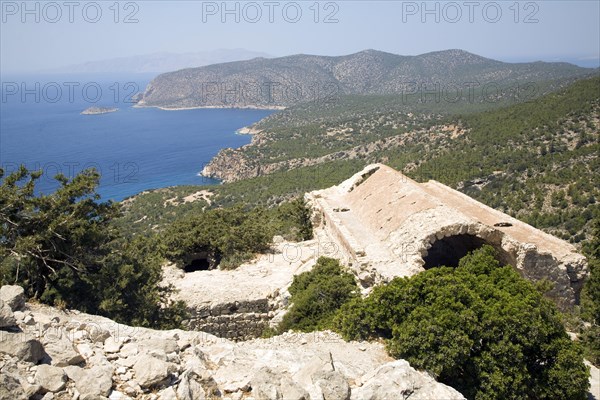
(197, 264)
(449, 250)
(201, 261)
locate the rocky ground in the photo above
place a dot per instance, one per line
(47, 353)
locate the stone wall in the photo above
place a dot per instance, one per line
(236, 321)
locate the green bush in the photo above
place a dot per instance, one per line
(231, 235)
(479, 328)
(590, 298)
(317, 295)
(61, 248)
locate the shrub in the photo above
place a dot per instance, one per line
(61, 249)
(316, 295)
(479, 328)
(233, 235)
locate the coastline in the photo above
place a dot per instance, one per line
(248, 130)
(272, 108)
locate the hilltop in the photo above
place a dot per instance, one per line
(286, 81)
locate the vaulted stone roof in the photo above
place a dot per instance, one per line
(384, 225)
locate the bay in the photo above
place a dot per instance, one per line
(134, 149)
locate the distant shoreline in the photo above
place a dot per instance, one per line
(248, 130)
(98, 110)
(273, 108)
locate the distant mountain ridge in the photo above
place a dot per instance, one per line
(285, 81)
(161, 62)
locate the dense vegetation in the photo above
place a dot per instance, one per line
(590, 334)
(228, 236)
(479, 328)
(317, 295)
(536, 160)
(62, 249)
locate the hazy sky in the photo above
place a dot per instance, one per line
(45, 34)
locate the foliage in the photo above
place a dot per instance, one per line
(297, 214)
(316, 295)
(61, 248)
(590, 298)
(536, 160)
(230, 235)
(480, 328)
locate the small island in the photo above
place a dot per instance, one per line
(98, 110)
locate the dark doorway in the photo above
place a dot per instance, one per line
(449, 250)
(197, 264)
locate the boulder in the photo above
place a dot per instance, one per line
(10, 388)
(167, 394)
(96, 332)
(14, 296)
(150, 371)
(116, 395)
(399, 377)
(189, 388)
(93, 382)
(166, 345)
(51, 379)
(129, 350)
(268, 385)
(22, 346)
(112, 345)
(61, 352)
(7, 318)
(333, 385)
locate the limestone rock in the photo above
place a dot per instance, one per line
(150, 371)
(7, 318)
(189, 388)
(116, 395)
(387, 381)
(21, 346)
(166, 345)
(268, 385)
(129, 350)
(333, 385)
(112, 345)
(91, 383)
(14, 296)
(51, 379)
(167, 394)
(96, 332)
(10, 388)
(61, 351)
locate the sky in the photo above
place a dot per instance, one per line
(37, 35)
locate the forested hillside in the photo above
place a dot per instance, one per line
(536, 160)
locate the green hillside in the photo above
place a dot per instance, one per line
(536, 160)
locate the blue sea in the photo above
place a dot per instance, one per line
(134, 149)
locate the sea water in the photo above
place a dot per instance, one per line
(134, 149)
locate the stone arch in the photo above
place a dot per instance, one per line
(201, 261)
(451, 243)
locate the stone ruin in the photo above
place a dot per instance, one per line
(381, 224)
(387, 225)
